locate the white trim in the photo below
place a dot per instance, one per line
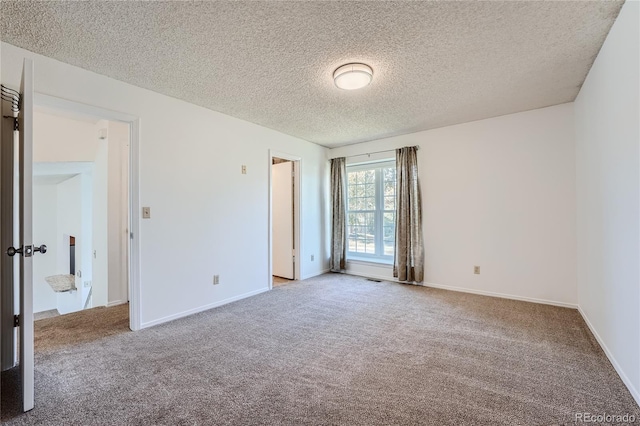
(369, 164)
(81, 109)
(135, 298)
(634, 392)
(378, 211)
(116, 303)
(202, 308)
(375, 262)
(315, 274)
(502, 295)
(135, 280)
(297, 223)
(472, 291)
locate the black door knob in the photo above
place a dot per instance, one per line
(12, 251)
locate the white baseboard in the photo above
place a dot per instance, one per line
(201, 308)
(502, 295)
(623, 376)
(116, 303)
(472, 291)
(315, 274)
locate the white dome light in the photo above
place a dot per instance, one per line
(353, 76)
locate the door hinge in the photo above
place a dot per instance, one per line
(16, 320)
(16, 125)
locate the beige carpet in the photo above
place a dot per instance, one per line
(80, 327)
(334, 350)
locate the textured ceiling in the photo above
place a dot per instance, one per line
(271, 63)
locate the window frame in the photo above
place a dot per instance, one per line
(379, 211)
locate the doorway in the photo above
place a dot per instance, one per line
(127, 127)
(81, 209)
(17, 165)
(284, 235)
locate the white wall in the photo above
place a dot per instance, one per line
(62, 139)
(69, 218)
(63, 143)
(498, 193)
(100, 220)
(608, 182)
(45, 219)
(207, 217)
(86, 243)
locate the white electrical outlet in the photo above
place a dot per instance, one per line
(476, 270)
(216, 279)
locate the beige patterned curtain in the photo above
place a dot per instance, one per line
(339, 212)
(408, 262)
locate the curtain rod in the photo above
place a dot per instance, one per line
(376, 152)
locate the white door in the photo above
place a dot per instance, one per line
(25, 249)
(25, 128)
(282, 219)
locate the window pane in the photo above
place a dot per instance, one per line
(390, 203)
(390, 187)
(370, 190)
(353, 203)
(361, 232)
(389, 218)
(356, 190)
(369, 203)
(351, 191)
(389, 248)
(389, 176)
(369, 176)
(388, 235)
(352, 178)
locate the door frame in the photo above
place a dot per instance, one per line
(297, 228)
(134, 188)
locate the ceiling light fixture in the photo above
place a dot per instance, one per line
(353, 76)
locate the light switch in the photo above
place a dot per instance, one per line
(146, 212)
(244, 169)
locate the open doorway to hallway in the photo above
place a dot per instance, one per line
(284, 237)
(81, 209)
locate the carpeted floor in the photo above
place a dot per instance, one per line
(335, 350)
(80, 327)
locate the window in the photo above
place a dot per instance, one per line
(371, 203)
